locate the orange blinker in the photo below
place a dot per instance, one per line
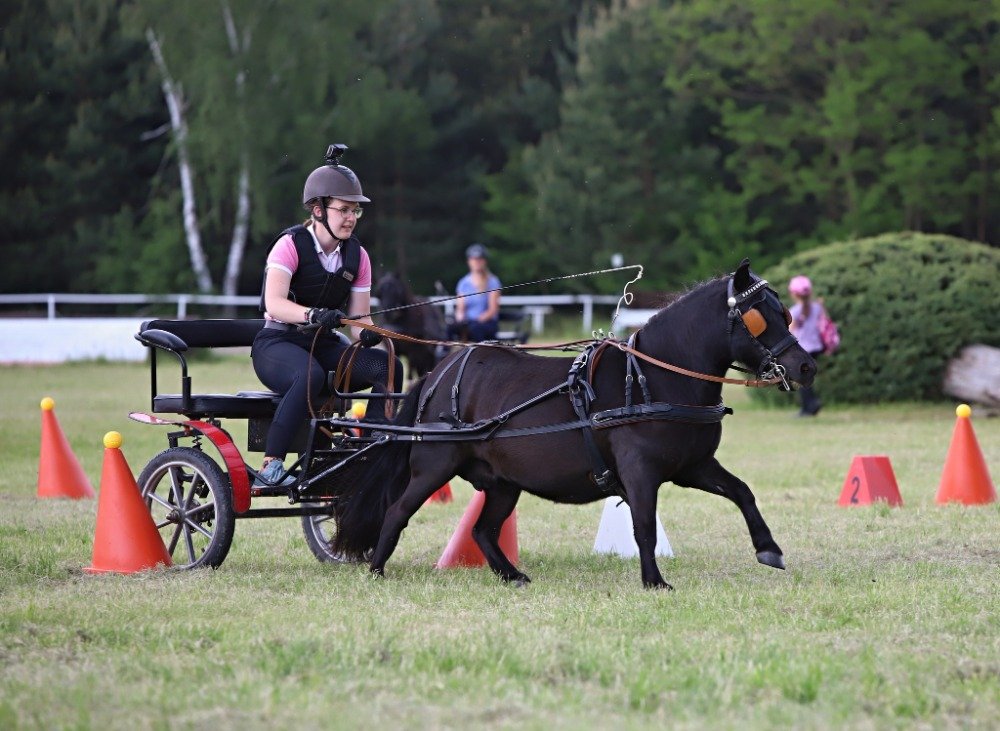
(755, 322)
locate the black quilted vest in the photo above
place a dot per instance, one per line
(312, 285)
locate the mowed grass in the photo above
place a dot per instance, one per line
(886, 618)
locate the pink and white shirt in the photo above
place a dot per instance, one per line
(285, 257)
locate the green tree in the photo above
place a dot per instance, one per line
(838, 119)
(252, 86)
(623, 173)
(487, 76)
(75, 104)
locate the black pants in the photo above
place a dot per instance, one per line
(808, 399)
(473, 331)
(282, 363)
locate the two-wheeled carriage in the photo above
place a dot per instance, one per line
(201, 485)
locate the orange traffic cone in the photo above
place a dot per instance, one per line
(965, 478)
(462, 549)
(126, 539)
(869, 480)
(441, 495)
(59, 471)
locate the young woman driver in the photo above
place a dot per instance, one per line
(315, 273)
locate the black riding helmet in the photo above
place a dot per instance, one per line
(332, 180)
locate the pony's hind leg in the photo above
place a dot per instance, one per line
(420, 487)
(498, 505)
(712, 477)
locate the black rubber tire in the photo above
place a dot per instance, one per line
(318, 530)
(201, 533)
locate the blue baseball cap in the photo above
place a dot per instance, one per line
(476, 251)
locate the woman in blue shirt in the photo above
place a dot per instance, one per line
(477, 314)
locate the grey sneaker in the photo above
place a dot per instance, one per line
(274, 475)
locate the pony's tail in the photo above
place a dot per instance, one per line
(360, 510)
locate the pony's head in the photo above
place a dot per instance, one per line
(759, 335)
(391, 292)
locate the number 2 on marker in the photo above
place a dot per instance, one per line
(856, 481)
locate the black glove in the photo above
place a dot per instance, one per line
(369, 338)
(329, 319)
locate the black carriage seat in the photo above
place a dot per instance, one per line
(179, 336)
(515, 326)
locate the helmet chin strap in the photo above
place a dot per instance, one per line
(323, 220)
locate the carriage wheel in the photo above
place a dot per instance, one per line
(319, 530)
(191, 503)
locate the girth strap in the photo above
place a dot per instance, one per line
(581, 395)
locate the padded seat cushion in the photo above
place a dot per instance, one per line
(244, 404)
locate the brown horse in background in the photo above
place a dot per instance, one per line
(424, 321)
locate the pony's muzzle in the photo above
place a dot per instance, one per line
(806, 372)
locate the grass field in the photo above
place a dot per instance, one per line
(886, 618)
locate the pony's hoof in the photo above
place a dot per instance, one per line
(519, 581)
(378, 573)
(772, 559)
(662, 585)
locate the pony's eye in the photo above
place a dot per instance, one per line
(788, 316)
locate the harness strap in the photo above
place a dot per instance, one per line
(631, 364)
(659, 412)
(455, 417)
(426, 394)
(581, 395)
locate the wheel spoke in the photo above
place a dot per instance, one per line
(153, 496)
(196, 479)
(202, 512)
(199, 528)
(176, 488)
(174, 538)
(190, 543)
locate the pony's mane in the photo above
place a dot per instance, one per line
(675, 298)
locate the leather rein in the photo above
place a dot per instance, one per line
(614, 342)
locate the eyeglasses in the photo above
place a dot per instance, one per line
(344, 211)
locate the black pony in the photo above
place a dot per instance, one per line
(425, 322)
(511, 435)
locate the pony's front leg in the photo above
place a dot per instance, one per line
(498, 504)
(712, 477)
(641, 491)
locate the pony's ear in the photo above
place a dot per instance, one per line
(742, 278)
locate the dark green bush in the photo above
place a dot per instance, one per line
(905, 303)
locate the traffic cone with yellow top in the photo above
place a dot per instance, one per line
(126, 539)
(59, 471)
(965, 478)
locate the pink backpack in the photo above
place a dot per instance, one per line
(828, 333)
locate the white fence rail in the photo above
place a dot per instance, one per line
(536, 305)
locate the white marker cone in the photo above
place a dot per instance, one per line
(615, 534)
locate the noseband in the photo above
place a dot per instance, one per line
(752, 320)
